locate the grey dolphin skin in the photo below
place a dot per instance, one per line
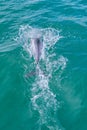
(37, 45)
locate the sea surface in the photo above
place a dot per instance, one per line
(55, 98)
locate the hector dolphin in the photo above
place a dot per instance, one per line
(37, 46)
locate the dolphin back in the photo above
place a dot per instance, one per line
(37, 46)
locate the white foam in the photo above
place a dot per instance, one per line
(43, 98)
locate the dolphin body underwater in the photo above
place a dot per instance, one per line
(37, 46)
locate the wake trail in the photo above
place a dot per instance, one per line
(43, 99)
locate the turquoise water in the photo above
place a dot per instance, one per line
(56, 100)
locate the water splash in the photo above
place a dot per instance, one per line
(49, 35)
(43, 99)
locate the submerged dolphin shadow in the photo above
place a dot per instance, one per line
(35, 72)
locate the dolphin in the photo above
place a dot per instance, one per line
(37, 46)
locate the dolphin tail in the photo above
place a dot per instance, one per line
(35, 72)
(32, 73)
